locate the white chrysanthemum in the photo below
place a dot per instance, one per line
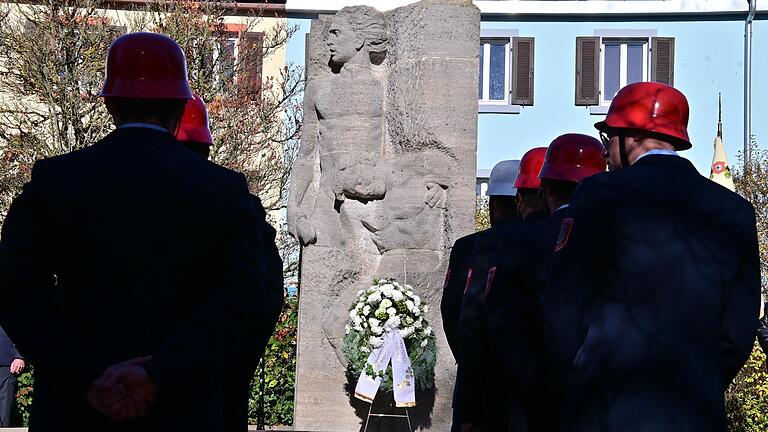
(347, 329)
(425, 342)
(374, 322)
(352, 314)
(377, 330)
(366, 310)
(393, 322)
(425, 308)
(410, 305)
(365, 349)
(386, 303)
(409, 294)
(397, 295)
(376, 341)
(428, 331)
(358, 328)
(374, 298)
(391, 311)
(416, 300)
(416, 311)
(357, 320)
(404, 333)
(418, 324)
(408, 320)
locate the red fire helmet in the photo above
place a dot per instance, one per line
(146, 65)
(194, 123)
(573, 157)
(530, 165)
(652, 107)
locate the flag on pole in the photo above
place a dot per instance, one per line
(721, 170)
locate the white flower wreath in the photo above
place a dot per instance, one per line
(389, 306)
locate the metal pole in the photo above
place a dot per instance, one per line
(748, 81)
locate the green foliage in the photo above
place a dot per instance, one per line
(747, 397)
(279, 371)
(24, 395)
(746, 400)
(482, 215)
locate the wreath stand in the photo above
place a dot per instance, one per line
(381, 414)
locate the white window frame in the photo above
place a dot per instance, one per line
(622, 63)
(622, 36)
(235, 56)
(486, 78)
(486, 105)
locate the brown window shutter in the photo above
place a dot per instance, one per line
(663, 60)
(252, 46)
(522, 70)
(587, 70)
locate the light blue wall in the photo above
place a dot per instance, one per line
(708, 59)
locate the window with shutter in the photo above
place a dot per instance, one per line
(251, 63)
(663, 60)
(614, 58)
(587, 70)
(506, 71)
(522, 70)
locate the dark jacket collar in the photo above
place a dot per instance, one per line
(660, 159)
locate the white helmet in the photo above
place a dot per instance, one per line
(502, 180)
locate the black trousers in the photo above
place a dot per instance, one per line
(7, 395)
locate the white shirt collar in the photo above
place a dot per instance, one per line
(657, 152)
(143, 125)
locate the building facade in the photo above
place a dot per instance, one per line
(552, 67)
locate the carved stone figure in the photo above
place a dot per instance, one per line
(384, 179)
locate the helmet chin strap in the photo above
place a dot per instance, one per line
(623, 150)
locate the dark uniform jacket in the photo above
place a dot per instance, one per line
(453, 288)
(473, 322)
(515, 354)
(136, 246)
(8, 351)
(450, 307)
(651, 308)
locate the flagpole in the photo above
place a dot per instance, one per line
(720, 115)
(748, 80)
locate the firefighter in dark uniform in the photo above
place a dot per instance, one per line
(652, 302)
(195, 134)
(472, 319)
(502, 211)
(140, 266)
(515, 283)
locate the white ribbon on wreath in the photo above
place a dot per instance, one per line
(403, 382)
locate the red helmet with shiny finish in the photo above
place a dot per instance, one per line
(652, 107)
(530, 165)
(573, 157)
(194, 123)
(146, 65)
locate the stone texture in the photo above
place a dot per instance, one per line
(383, 185)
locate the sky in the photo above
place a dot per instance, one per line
(708, 59)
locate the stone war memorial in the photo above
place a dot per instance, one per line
(382, 187)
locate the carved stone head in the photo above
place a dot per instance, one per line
(356, 29)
